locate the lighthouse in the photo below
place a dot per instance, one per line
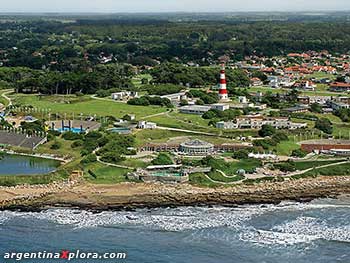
(223, 94)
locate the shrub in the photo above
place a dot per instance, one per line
(56, 145)
(285, 167)
(324, 125)
(299, 153)
(267, 130)
(90, 158)
(280, 136)
(71, 136)
(77, 144)
(240, 154)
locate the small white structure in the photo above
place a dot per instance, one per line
(262, 156)
(124, 95)
(243, 99)
(146, 125)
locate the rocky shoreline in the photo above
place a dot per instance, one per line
(128, 196)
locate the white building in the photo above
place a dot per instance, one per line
(122, 95)
(220, 106)
(146, 125)
(243, 99)
(196, 147)
(194, 109)
(258, 122)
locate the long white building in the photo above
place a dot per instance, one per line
(258, 122)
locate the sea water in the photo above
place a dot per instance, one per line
(290, 232)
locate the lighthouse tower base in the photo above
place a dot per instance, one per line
(223, 98)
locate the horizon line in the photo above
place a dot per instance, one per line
(175, 12)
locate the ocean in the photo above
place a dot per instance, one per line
(290, 232)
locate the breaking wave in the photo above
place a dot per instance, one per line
(240, 222)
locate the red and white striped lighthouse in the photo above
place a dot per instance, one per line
(223, 94)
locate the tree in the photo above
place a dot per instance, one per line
(324, 125)
(163, 159)
(240, 154)
(267, 130)
(299, 153)
(183, 102)
(316, 108)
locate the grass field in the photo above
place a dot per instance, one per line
(216, 176)
(304, 165)
(104, 174)
(337, 170)
(137, 80)
(286, 147)
(86, 106)
(200, 179)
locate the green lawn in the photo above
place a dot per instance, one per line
(183, 121)
(65, 149)
(216, 176)
(304, 165)
(155, 136)
(105, 174)
(286, 147)
(200, 179)
(231, 168)
(135, 163)
(336, 170)
(137, 80)
(86, 106)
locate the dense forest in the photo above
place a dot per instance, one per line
(89, 54)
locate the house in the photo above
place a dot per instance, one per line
(340, 87)
(146, 125)
(296, 109)
(256, 82)
(307, 100)
(305, 85)
(279, 81)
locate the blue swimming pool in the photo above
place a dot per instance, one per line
(75, 130)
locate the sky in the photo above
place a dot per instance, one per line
(115, 6)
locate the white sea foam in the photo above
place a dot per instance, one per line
(263, 237)
(315, 227)
(301, 230)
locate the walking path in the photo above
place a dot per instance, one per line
(4, 95)
(319, 167)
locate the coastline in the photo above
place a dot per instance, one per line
(128, 196)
